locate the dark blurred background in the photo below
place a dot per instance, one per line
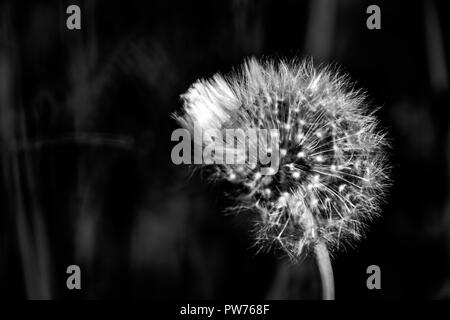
(86, 176)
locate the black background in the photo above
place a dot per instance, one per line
(86, 176)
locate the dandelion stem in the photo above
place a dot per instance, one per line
(326, 271)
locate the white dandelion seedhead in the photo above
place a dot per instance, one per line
(332, 168)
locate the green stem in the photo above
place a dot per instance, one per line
(326, 271)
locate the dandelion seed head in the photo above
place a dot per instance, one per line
(332, 173)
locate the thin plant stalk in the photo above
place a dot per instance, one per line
(326, 271)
